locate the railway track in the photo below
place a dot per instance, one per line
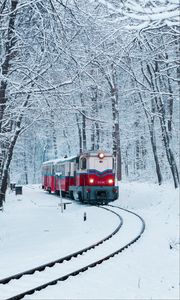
(75, 263)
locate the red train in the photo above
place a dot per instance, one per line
(88, 177)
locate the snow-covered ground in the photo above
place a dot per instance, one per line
(34, 231)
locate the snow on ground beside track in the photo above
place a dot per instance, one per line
(34, 231)
(146, 270)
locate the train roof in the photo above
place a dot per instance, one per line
(55, 161)
(73, 158)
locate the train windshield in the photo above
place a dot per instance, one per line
(100, 164)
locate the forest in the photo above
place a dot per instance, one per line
(80, 75)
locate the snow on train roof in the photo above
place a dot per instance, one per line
(72, 158)
(55, 161)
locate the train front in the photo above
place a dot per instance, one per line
(96, 178)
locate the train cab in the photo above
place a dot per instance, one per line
(95, 178)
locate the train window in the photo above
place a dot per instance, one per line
(83, 163)
(57, 168)
(113, 163)
(52, 169)
(60, 168)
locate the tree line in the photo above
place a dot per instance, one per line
(78, 75)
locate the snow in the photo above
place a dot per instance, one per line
(34, 231)
(55, 161)
(132, 9)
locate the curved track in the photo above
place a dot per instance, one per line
(65, 258)
(74, 255)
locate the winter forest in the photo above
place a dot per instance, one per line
(81, 75)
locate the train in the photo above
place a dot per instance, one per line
(88, 177)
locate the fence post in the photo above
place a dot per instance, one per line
(85, 217)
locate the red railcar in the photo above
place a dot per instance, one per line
(88, 177)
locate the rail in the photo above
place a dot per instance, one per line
(83, 269)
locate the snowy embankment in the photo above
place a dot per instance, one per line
(33, 231)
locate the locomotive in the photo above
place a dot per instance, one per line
(88, 177)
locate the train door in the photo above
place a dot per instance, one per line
(72, 171)
(52, 178)
(83, 176)
(67, 176)
(76, 170)
(56, 176)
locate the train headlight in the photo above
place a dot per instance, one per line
(110, 181)
(91, 180)
(101, 155)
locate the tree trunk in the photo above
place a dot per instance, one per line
(116, 137)
(150, 120)
(161, 114)
(84, 145)
(79, 134)
(9, 54)
(25, 168)
(54, 136)
(170, 101)
(116, 127)
(67, 140)
(126, 162)
(4, 181)
(169, 153)
(95, 135)
(154, 149)
(84, 140)
(34, 160)
(92, 137)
